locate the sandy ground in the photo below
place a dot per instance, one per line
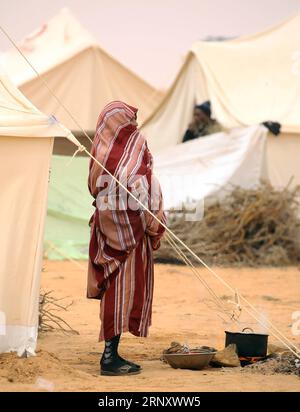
(180, 312)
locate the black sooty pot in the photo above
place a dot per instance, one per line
(248, 344)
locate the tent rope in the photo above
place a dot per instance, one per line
(218, 302)
(45, 83)
(287, 342)
(278, 335)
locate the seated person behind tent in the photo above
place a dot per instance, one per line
(202, 123)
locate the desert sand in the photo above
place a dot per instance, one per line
(181, 312)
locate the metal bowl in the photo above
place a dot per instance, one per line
(192, 360)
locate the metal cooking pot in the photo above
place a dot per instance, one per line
(248, 344)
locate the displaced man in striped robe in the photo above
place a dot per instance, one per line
(123, 233)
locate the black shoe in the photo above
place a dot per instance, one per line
(112, 364)
(119, 369)
(131, 363)
(124, 360)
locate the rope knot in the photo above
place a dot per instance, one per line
(52, 119)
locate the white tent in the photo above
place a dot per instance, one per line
(248, 80)
(82, 74)
(26, 140)
(212, 166)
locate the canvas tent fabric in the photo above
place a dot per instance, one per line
(207, 167)
(26, 140)
(69, 209)
(248, 80)
(82, 74)
(212, 166)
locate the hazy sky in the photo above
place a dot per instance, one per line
(149, 36)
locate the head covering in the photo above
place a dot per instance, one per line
(205, 107)
(122, 150)
(113, 132)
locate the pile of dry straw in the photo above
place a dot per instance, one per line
(257, 227)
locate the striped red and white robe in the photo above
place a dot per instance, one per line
(123, 238)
